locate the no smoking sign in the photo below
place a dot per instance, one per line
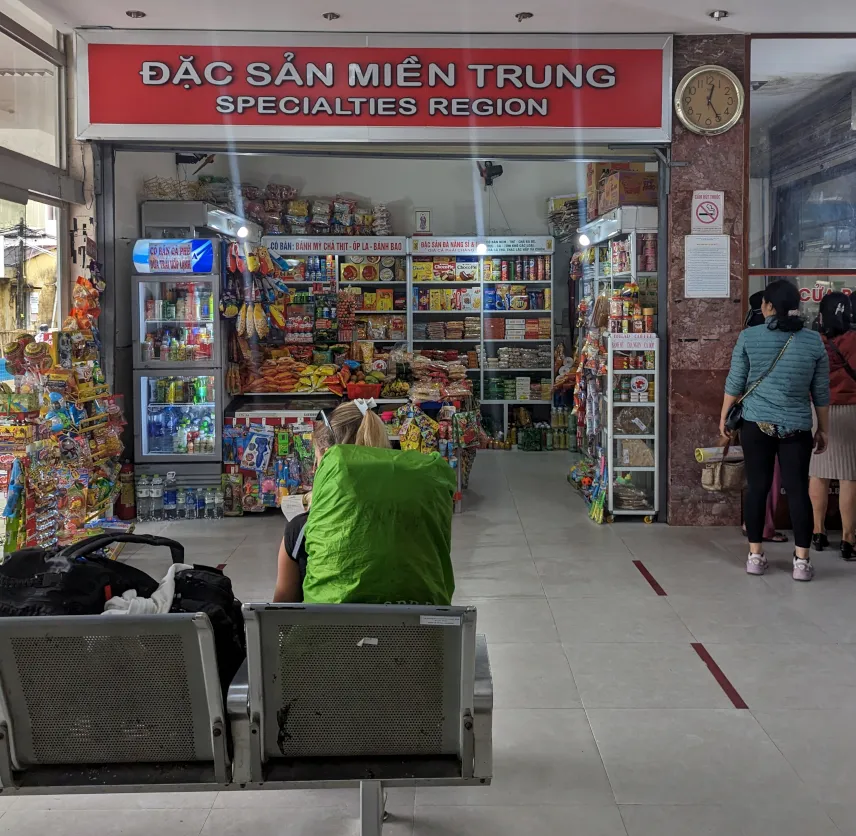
(707, 213)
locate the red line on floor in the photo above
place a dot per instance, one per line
(719, 676)
(649, 577)
(221, 566)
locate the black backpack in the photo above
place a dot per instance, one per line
(74, 580)
(207, 590)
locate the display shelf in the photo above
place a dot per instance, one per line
(364, 311)
(517, 401)
(524, 312)
(370, 283)
(437, 342)
(545, 340)
(448, 313)
(539, 371)
(474, 283)
(162, 404)
(536, 282)
(647, 483)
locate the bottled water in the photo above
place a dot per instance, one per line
(144, 499)
(200, 504)
(180, 505)
(190, 504)
(170, 498)
(157, 498)
(209, 504)
(218, 503)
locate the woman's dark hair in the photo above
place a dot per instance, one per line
(785, 299)
(835, 314)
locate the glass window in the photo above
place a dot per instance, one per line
(803, 154)
(29, 112)
(28, 292)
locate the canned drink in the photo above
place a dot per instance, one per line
(519, 268)
(503, 273)
(548, 299)
(532, 275)
(526, 272)
(497, 270)
(158, 312)
(150, 308)
(548, 267)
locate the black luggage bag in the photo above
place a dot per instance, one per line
(79, 580)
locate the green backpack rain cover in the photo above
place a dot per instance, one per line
(380, 528)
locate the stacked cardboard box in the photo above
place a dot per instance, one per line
(596, 175)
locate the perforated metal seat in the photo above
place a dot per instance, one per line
(110, 702)
(352, 695)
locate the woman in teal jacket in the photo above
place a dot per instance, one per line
(777, 417)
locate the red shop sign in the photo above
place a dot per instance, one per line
(174, 85)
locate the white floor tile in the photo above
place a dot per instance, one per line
(531, 676)
(619, 618)
(539, 757)
(272, 821)
(131, 822)
(580, 820)
(692, 756)
(116, 801)
(770, 676)
(513, 620)
(640, 675)
(821, 747)
(758, 819)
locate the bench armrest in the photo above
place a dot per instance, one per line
(238, 712)
(483, 719)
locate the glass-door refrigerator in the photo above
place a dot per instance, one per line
(178, 376)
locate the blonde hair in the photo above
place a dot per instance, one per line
(349, 426)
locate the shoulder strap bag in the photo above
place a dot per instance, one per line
(847, 367)
(723, 476)
(734, 417)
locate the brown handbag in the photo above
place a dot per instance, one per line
(723, 476)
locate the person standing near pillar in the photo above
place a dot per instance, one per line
(835, 322)
(778, 372)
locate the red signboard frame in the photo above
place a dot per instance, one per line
(139, 85)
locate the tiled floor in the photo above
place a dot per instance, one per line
(607, 721)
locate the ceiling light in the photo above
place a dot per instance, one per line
(331, 15)
(242, 232)
(521, 16)
(584, 240)
(481, 249)
(718, 14)
(135, 14)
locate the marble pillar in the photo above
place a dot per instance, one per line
(702, 332)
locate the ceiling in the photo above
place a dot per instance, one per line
(553, 16)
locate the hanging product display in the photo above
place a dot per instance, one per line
(60, 430)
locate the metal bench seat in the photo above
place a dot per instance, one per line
(330, 696)
(110, 703)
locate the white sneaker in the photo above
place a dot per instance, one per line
(756, 564)
(803, 570)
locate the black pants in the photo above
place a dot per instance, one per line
(759, 453)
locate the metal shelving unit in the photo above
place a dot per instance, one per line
(645, 478)
(487, 249)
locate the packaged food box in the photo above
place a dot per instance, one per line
(444, 270)
(384, 299)
(477, 298)
(591, 203)
(596, 173)
(370, 300)
(628, 188)
(448, 299)
(423, 270)
(437, 299)
(467, 268)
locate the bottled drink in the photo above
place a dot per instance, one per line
(170, 490)
(190, 504)
(180, 505)
(144, 499)
(157, 498)
(200, 504)
(209, 504)
(218, 503)
(155, 421)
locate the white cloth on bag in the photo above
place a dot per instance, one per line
(161, 601)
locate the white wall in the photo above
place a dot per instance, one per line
(451, 189)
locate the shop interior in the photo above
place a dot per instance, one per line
(491, 253)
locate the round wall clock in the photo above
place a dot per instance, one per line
(709, 100)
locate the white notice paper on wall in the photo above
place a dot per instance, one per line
(707, 266)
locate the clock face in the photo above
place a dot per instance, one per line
(709, 100)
